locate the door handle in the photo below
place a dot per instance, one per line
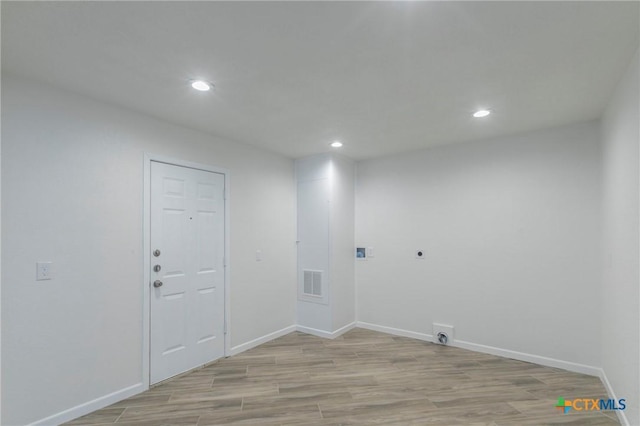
(157, 283)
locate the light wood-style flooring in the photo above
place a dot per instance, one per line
(362, 377)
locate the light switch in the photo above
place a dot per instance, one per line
(370, 252)
(44, 271)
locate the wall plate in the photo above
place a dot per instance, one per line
(444, 328)
(44, 271)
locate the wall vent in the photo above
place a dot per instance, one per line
(312, 283)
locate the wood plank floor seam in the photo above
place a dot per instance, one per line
(361, 377)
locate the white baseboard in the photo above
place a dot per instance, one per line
(536, 359)
(314, 332)
(114, 397)
(343, 330)
(88, 407)
(396, 331)
(260, 340)
(326, 334)
(521, 356)
(622, 417)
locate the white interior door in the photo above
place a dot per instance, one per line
(187, 269)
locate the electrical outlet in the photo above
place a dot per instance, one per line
(44, 271)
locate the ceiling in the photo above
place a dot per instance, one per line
(291, 77)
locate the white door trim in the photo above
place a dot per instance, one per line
(146, 253)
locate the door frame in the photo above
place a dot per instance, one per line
(146, 254)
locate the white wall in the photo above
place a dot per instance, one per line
(326, 241)
(0, 244)
(72, 181)
(342, 250)
(620, 292)
(314, 192)
(511, 229)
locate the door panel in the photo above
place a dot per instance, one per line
(187, 310)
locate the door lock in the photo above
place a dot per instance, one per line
(157, 268)
(157, 283)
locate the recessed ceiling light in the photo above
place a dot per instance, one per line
(200, 85)
(336, 144)
(481, 113)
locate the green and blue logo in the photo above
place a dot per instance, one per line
(589, 404)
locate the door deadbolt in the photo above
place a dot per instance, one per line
(156, 252)
(157, 268)
(157, 283)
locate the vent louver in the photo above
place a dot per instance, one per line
(312, 283)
